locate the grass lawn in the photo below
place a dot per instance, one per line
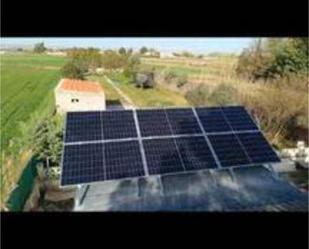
(27, 84)
(153, 97)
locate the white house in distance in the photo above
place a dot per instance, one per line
(79, 95)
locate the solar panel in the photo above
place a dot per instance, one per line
(183, 121)
(239, 118)
(109, 145)
(83, 126)
(122, 160)
(229, 150)
(118, 124)
(82, 163)
(195, 153)
(257, 148)
(212, 119)
(153, 123)
(162, 156)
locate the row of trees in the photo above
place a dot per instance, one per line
(274, 57)
(84, 60)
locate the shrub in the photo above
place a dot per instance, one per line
(47, 140)
(73, 71)
(198, 96)
(86, 59)
(169, 75)
(132, 66)
(274, 57)
(279, 110)
(39, 48)
(223, 94)
(181, 81)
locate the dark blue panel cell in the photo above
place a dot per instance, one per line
(153, 123)
(162, 156)
(258, 149)
(239, 118)
(122, 160)
(183, 121)
(83, 126)
(82, 163)
(228, 150)
(118, 124)
(212, 119)
(195, 153)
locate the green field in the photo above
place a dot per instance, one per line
(27, 83)
(152, 97)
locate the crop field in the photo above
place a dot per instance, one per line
(27, 82)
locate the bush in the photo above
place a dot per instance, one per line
(39, 48)
(170, 75)
(198, 96)
(223, 94)
(86, 59)
(181, 81)
(132, 66)
(73, 71)
(272, 58)
(47, 140)
(280, 110)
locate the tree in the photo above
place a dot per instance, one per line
(73, 71)
(114, 60)
(132, 66)
(122, 51)
(86, 59)
(47, 140)
(143, 50)
(274, 57)
(39, 48)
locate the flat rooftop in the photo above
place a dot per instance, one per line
(244, 189)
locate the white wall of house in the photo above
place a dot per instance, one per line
(70, 101)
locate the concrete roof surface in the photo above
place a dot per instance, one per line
(246, 189)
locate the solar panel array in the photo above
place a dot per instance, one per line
(108, 145)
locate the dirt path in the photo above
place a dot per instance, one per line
(129, 103)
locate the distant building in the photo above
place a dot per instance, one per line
(166, 55)
(56, 53)
(79, 95)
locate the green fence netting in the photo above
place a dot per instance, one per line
(24, 187)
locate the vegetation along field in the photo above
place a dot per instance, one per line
(27, 83)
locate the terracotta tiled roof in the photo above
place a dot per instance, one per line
(81, 86)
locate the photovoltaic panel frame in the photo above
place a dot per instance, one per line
(109, 145)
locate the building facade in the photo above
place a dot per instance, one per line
(78, 95)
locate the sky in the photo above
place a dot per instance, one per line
(195, 45)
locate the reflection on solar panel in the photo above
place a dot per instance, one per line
(238, 118)
(109, 145)
(162, 156)
(257, 148)
(212, 119)
(195, 153)
(153, 123)
(229, 150)
(183, 121)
